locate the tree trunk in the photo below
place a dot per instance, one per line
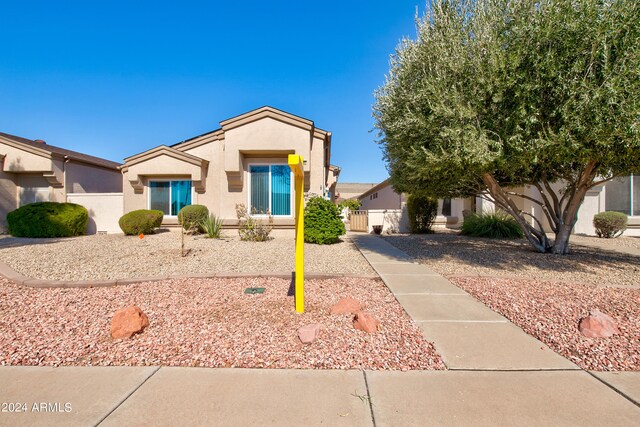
(570, 213)
(537, 238)
(561, 243)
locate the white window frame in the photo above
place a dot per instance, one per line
(291, 190)
(45, 192)
(631, 196)
(149, 181)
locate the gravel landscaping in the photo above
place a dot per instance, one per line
(209, 322)
(115, 256)
(451, 254)
(550, 312)
(547, 295)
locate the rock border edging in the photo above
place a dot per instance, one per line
(22, 280)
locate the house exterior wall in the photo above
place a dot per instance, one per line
(34, 174)
(84, 178)
(263, 136)
(594, 202)
(8, 195)
(383, 198)
(21, 160)
(105, 209)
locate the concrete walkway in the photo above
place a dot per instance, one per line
(467, 334)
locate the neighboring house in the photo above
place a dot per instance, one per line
(351, 190)
(620, 195)
(382, 196)
(242, 162)
(388, 208)
(34, 171)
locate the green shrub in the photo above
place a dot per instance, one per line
(351, 204)
(322, 223)
(610, 224)
(191, 217)
(495, 225)
(141, 221)
(253, 229)
(422, 213)
(212, 226)
(48, 219)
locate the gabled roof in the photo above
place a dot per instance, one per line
(163, 150)
(61, 152)
(378, 187)
(274, 113)
(196, 141)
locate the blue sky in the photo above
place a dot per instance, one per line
(113, 79)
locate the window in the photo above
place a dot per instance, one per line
(33, 195)
(623, 195)
(169, 196)
(270, 189)
(446, 207)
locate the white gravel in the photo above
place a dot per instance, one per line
(115, 256)
(212, 323)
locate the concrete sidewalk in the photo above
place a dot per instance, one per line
(123, 396)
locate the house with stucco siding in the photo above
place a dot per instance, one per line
(244, 161)
(34, 171)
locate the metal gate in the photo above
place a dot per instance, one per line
(359, 221)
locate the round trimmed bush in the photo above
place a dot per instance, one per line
(422, 211)
(322, 222)
(141, 221)
(610, 224)
(48, 219)
(192, 216)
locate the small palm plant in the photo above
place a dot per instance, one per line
(212, 226)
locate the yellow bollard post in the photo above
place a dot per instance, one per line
(296, 163)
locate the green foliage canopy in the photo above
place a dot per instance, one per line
(495, 94)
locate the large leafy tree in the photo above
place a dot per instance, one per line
(494, 95)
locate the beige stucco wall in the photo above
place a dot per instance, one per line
(386, 199)
(19, 160)
(8, 195)
(84, 178)
(229, 155)
(105, 209)
(593, 203)
(266, 135)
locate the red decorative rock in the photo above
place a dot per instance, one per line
(365, 322)
(346, 306)
(598, 325)
(128, 321)
(308, 333)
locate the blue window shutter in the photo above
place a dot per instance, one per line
(259, 189)
(280, 190)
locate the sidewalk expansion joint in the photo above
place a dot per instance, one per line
(430, 273)
(366, 384)
(428, 293)
(620, 392)
(576, 369)
(127, 397)
(462, 321)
